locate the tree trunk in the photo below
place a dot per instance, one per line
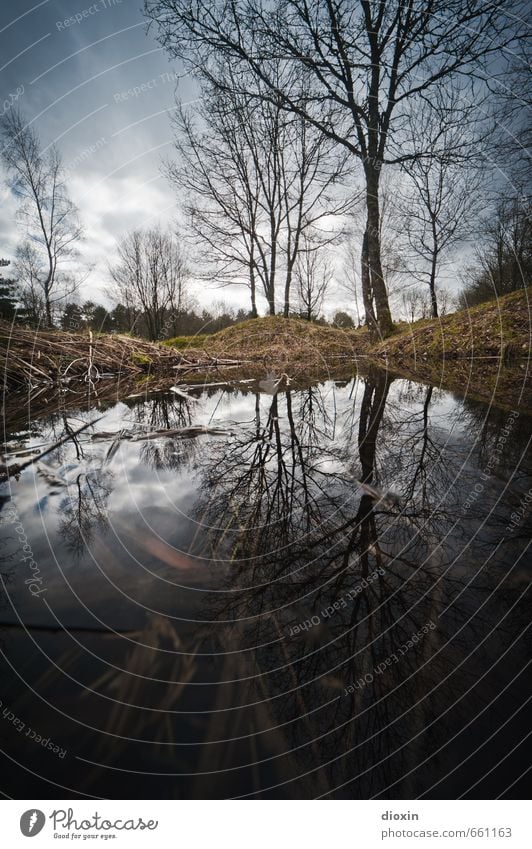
(367, 299)
(377, 385)
(48, 313)
(432, 286)
(287, 285)
(252, 286)
(47, 304)
(378, 287)
(46, 286)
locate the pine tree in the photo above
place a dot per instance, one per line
(8, 294)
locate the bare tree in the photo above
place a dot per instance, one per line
(350, 276)
(443, 196)
(314, 274)
(51, 219)
(221, 190)
(31, 268)
(150, 275)
(27, 271)
(511, 85)
(445, 301)
(368, 64)
(256, 179)
(416, 303)
(504, 254)
(356, 271)
(442, 209)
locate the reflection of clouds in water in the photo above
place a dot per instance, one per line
(291, 533)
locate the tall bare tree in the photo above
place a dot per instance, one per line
(443, 195)
(369, 65)
(442, 206)
(150, 275)
(256, 180)
(356, 276)
(314, 274)
(52, 226)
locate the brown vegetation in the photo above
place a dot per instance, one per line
(498, 329)
(470, 350)
(29, 357)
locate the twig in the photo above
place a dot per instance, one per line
(8, 471)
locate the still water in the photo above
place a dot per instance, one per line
(324, 594)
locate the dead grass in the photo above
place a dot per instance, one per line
(29, 357)
(472, 348)
(496, 330)
(282, 342)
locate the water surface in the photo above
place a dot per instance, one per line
(327, 596)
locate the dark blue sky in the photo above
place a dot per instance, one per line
(96, 83)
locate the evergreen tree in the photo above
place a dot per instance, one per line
(72, 318)
(8, 294)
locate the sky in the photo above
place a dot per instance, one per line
(90, 78)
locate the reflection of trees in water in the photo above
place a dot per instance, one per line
(499, 435)
(157, 413)
(303, 535)
(501, 475)
(9, 550)
(83, 511)
(315, 654)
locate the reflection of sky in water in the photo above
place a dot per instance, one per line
(222, 542)
(149, 489)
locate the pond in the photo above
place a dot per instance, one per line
(317, 591)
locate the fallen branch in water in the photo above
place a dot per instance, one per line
(187, 365)
(9, 471)
(231, 383)
(183, 431)
(177, 391)
(187, 432)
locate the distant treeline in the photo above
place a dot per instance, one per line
(124, 319)
(186, 322)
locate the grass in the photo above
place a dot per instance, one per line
(496, 329)
(481, 351)
(141, 359)
(286, 341)
(472, 348)
(182, 342)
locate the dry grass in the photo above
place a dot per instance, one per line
(498, 329)
(492, 333)
(30, 358)
(282, 342)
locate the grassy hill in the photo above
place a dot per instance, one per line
(498, 329)
(484, 349)
(483, 352)
(286, 341)
(278, 344)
